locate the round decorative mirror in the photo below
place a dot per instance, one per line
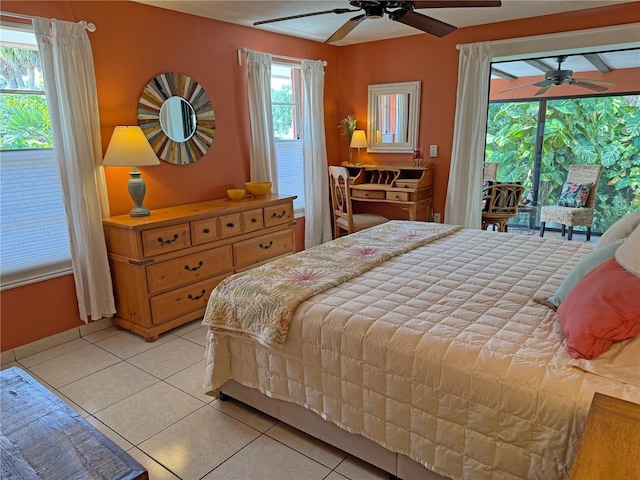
(177, 118)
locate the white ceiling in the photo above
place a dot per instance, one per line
(321, 27)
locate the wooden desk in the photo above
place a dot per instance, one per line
(44, 438)
(610, 444)
(409, 187)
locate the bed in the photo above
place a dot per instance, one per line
(434, 356)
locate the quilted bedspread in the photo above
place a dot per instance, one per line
(440, 354)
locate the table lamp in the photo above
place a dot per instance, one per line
(130, 148)
(358, 140)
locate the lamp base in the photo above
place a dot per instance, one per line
(137, 190)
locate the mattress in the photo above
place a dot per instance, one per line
(441, 354)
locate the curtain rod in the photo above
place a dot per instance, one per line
(281, 57)
(89, 26)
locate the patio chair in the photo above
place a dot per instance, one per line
(501, 204)
(575, 207)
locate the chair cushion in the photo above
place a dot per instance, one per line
(363, 220)
(567, 215)
(574, 195)
(601, 309)
(620, 230)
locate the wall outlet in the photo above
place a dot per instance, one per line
(436, 217)
(433, 151)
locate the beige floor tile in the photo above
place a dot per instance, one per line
(53, 352)
(126, 344)
(156, 471)
(148, 411)
(169, 358)
(72, 366)
(198, 336)
(182, 330)
(70, 403)
(108, 386)
(199, 442)
(107, 432)
(101, 334)
(4, 366)
(335, 476)
(7, 357)
(355, 469)
(190, 381)
(311, 447)
(245, 414)
(266, 459)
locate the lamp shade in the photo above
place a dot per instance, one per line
(128, 148)
(359, 139)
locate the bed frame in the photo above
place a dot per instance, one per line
(398, 466)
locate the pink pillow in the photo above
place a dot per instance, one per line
(601, 309)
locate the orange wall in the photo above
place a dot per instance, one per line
(135, 42)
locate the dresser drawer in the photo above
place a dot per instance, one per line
(262, 248)
(185, 300)
(278, 214)
(165, 239)
(252, 220)
(188, 269)
(376, 194)
(204, 231)
(230, 225)
(398, 196)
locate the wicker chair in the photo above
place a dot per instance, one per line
(501, 204)
(490, 171)
(343, 216)
(575, 216)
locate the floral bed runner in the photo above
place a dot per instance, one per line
(260, 302)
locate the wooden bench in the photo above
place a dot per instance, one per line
(43, 438)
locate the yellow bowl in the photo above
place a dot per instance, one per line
(258, 188)
(235, 193)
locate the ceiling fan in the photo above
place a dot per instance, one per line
(399, 11)
(564, 77)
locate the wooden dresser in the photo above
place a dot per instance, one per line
(403, 185)
(165, 266)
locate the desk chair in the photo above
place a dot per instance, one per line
(501, 204)
(573, 213)
(343, 216)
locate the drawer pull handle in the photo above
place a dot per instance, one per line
(170, 241)
(275, 215)
(193, 269)
(266, 247)
(206, 230)
(231, 224)
(197, 297)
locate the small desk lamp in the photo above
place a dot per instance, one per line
(130, 148)
(358, 140)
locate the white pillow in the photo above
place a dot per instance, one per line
(621, 362)
(628, 254)
(619, 230)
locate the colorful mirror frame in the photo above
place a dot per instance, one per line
(155, 93)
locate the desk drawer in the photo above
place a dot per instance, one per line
(398, 196)
(278, 214)
(188, 269)
(262, 248)
(375, 194)
(230, 225)
(166, 239)
(204, 231)
(252, 220)
(192, 298)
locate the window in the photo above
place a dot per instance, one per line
(34, 243)
(286, 101)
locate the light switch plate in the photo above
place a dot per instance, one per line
(433, 150)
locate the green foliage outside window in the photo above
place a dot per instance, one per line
(598, 130)
(282, 108)
(24, 122)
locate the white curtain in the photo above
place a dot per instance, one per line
(314, 153)
(465, 177)
(70, 86)
(264, 166)
(402, 117)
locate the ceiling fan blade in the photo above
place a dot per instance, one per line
(515, 88)
(542, 83)
(456, 4)
(422, 22)
(543, 89)
(312, 14)
(345, 29)
(595, 82)
(590, 85)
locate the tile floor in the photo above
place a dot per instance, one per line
(147, 398)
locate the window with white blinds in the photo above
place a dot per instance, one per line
(34, 243)
(290, 172)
